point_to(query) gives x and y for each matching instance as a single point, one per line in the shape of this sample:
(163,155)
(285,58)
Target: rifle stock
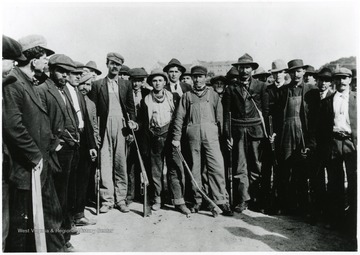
(271,131)
(230,177)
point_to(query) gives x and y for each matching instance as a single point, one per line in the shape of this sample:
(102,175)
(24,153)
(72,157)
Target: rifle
(271,131)
(215,210)
(230,177)
(97,178)
(38,212)
(144,178)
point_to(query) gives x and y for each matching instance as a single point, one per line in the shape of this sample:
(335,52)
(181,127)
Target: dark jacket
(27,131)
(100,96)
(184,87)
(234,102)
(309,111)
(326,124)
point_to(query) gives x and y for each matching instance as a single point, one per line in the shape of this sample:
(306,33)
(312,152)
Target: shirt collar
(111,80)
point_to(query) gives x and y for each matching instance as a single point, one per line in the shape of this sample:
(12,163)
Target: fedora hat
(260,72)
(246,59)
(174,62)
(186,73)
(310,70)
(85,78)
(232,73)
(12,49)
(325,73)
(154,73)
(92,65)
(278,65)
(295,63)
(31,41)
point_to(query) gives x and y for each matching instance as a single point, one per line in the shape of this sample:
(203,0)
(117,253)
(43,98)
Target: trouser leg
(176,177)
(157,165)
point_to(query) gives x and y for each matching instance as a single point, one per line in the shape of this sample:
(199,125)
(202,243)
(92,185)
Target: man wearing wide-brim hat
(114,103)
(338,136)
(31,144)
(247,101)
(310,75)
(91,67)
(200,110)
(219,84)
(278,71)
(232,75)
(260,74)
(324,84)
(174,69)
(300,104)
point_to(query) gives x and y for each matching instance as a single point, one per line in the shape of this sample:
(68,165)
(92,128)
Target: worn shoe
(226,210)
(183,209)
(156,207)
(241,207)
(105,208)
(122,208)
(195,208)
(84,222)
(69,247)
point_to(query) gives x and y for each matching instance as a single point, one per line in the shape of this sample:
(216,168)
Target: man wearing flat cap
(11,52)
(124,72)
(65,126)
(200,110)
(31,144)
(338,125)
(174,69)
(300,111)
(116,110)
(248,102)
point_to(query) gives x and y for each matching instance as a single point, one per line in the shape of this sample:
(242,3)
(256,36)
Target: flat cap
(85,78)
(12,49)
(79,67)
(138,73)
(342,71)
(31,41)
(116,57)
(63,61)
(124,70)
(198,70)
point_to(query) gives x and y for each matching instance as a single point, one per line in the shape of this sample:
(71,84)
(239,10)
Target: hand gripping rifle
(144,178)
(230,177)
(215,210)
(38,212)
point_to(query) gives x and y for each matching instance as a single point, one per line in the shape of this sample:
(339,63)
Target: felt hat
(342,71)
(198,70)
(124,70)
(31,41)
(325,73)
(295,63)
(310,70)
(154,73)
(85,78)
(260,72)
(246,59)
(92,65)
(63,61)
(138,73)
(11,49)
(278,65)
(218,78)
(174,62)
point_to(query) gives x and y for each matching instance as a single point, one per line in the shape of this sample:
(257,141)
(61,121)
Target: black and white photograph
(192,126)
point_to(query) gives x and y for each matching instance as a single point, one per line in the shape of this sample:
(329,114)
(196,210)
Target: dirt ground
(167,230)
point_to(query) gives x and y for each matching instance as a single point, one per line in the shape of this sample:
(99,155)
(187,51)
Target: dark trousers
(345,153)
(21,237)
(81,178)
(133,171)
(176,177)
(64,185)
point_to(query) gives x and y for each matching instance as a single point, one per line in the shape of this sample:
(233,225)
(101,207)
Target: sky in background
(144,33)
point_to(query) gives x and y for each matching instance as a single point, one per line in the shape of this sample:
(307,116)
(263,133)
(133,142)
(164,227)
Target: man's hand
(129,139)
(93,154)
(176,143)
(133,125)
(272,138)
(229,143)
(39,166)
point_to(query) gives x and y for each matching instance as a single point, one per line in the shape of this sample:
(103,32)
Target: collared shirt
(113,85)
(161,114)
(341,111)
(175,87)
(295,90)
(76,104)
(323,94)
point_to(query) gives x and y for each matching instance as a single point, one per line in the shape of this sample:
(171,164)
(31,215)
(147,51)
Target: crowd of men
(277,142)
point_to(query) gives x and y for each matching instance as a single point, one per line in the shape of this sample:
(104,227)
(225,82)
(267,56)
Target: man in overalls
(300,104)
(201,111)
